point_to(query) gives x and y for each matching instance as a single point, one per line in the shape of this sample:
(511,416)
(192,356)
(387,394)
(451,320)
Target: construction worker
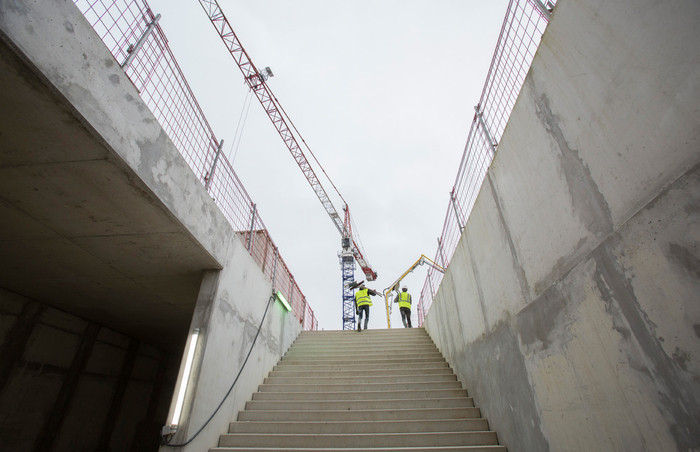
(362,304)
(404,301)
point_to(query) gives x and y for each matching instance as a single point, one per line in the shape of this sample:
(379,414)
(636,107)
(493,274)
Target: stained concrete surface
(79,229)
(101,219)
(585,238)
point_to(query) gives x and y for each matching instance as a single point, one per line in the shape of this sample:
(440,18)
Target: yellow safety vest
(405,300)
(362,298)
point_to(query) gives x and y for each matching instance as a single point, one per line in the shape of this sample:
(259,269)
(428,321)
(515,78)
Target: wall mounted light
(283,300)
(182,387)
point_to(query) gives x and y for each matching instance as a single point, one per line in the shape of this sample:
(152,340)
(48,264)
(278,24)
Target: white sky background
(382,91)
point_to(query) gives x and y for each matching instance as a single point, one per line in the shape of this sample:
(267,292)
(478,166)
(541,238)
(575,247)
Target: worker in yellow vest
(362,304)
(404,301)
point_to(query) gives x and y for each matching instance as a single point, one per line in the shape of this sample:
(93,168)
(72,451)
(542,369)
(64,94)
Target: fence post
(292,283)
(490,139)
(274,270)
(546,13)
(252,225)
(146,33)
(421,311)
(210,177)
(303,312)
(440,253)
(430,284)
(454,206)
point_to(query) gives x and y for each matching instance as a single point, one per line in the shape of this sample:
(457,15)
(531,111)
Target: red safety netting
(520,36)
(152,68)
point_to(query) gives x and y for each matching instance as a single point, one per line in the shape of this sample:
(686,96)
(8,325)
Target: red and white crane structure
(256,81)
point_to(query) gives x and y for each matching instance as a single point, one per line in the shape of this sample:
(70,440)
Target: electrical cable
(269,302)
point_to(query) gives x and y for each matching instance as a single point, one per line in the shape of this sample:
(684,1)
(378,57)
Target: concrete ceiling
(78,230)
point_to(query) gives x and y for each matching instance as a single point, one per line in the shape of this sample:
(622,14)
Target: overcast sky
(382,91)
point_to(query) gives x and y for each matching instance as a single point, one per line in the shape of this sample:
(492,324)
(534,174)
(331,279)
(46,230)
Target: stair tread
(384,390)
(486,448)
(366,415)
(377,426)
(378,379)
(398,383)
(356,439)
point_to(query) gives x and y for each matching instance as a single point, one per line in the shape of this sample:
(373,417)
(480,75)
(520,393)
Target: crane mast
(256,81)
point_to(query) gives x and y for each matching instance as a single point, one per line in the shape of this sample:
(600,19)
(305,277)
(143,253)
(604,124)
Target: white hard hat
(404,288)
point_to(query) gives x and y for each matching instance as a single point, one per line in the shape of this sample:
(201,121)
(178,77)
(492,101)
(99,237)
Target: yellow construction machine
(395,286)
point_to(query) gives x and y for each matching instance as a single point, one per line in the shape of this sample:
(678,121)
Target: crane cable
(239,126)
(307,146)
(353,226)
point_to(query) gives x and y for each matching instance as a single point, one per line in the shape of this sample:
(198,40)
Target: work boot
(366,321)
(359,326)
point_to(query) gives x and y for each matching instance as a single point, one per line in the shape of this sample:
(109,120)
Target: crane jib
(274,111)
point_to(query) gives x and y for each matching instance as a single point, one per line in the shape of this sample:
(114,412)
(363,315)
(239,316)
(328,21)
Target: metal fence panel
(154,71)
(522,29)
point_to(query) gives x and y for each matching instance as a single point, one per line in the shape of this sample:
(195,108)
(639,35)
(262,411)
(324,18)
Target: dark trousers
(364,308)
(406,317)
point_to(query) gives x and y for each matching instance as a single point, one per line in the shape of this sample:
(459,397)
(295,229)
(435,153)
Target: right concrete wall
(571,307)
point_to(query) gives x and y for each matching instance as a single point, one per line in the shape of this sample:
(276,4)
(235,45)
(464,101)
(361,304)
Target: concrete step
(395,332)
(345,366)
(362,336)
(349,387)
(364,348)
(387,404)
(410,426)
(492,448)
(371,343)
(356,440)
(436,357)
(360,379)
(371,336)
(362,395)
(398,371)
(375,335)
(365,340)
(377,390)
(360,346)
(351,355)
(357,415)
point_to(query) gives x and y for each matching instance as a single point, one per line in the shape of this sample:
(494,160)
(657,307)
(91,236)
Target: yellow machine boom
(395,286)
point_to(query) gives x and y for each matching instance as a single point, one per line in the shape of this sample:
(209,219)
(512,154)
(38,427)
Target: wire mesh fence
(522,29)
(130,30)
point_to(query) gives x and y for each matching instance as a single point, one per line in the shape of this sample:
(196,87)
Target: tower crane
(256,81)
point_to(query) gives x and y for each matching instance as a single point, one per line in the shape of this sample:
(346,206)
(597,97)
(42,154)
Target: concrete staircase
(385,390)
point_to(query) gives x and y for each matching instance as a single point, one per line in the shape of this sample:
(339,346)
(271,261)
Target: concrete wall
(60,374)
(234,294)
(229,313)
(571,308)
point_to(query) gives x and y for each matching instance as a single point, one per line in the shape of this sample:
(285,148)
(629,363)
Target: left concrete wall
(234,297)
(233,305)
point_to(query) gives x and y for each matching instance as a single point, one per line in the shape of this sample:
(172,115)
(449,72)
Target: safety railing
(522,29)
(130,30)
